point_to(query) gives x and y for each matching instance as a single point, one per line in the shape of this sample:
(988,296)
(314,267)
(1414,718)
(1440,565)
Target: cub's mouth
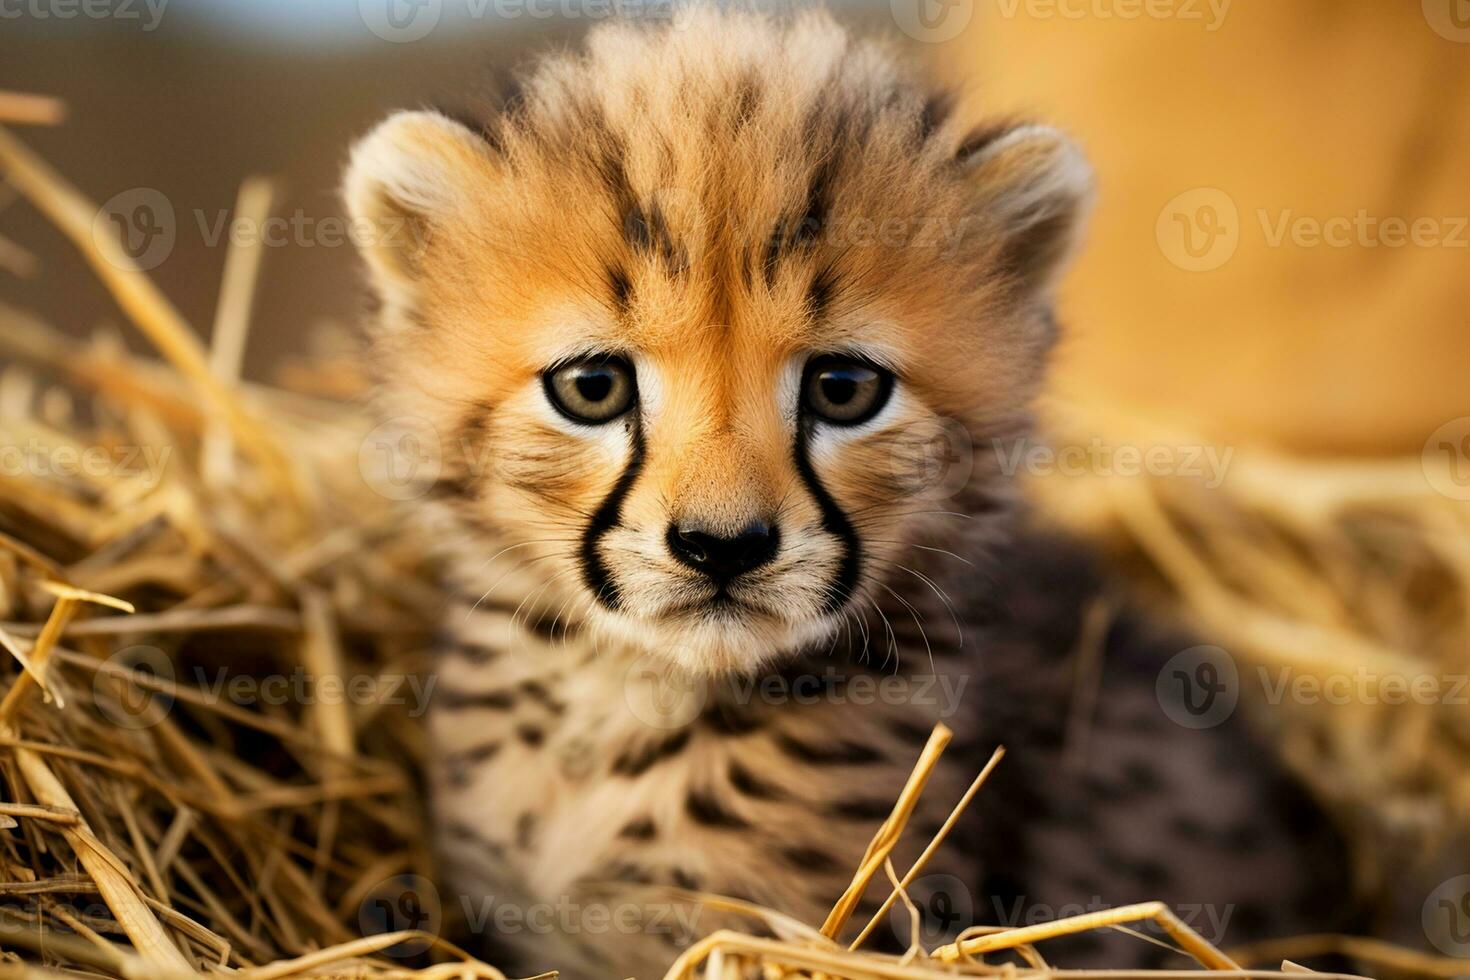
(720,604)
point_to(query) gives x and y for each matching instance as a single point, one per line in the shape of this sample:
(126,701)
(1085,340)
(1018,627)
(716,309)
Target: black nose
(724,558)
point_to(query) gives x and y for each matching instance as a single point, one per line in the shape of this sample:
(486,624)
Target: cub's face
(691,321)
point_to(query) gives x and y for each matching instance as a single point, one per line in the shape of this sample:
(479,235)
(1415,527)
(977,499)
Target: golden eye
(844,390)
(593,390)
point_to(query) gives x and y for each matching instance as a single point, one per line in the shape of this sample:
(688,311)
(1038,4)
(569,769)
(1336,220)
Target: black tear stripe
(834,522)
(608,516)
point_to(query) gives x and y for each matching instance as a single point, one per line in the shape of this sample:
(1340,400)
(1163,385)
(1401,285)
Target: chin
(720,638)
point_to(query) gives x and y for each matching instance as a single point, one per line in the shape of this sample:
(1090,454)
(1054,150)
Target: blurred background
(1280,250)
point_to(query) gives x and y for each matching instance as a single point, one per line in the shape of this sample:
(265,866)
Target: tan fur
(668,160)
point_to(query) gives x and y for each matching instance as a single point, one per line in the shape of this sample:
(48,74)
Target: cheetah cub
(688,315)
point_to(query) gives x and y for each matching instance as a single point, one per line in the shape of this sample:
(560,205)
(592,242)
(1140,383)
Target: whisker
(943,596)
(892,638)
(921,547)
(929,650)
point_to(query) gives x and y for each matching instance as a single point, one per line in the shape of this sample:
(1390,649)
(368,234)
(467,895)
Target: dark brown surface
(190,114)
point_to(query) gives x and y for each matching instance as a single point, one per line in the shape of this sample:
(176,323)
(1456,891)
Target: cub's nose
(724,558)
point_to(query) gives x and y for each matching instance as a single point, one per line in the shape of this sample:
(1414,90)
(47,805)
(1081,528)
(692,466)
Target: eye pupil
(839,389)
(593,390)
(845,390)
(595,387)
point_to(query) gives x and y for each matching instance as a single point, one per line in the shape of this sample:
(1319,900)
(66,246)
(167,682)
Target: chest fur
(562,764)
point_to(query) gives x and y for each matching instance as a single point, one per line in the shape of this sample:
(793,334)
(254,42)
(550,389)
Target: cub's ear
(1033,190)
(405,181)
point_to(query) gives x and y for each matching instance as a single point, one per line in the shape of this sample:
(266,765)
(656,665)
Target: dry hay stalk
(158,829)
(1354,573)
(23,109)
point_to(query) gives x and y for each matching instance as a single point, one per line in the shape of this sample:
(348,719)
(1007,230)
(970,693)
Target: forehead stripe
(647,231)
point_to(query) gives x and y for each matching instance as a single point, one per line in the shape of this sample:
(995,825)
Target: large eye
(591,391)
(844,390)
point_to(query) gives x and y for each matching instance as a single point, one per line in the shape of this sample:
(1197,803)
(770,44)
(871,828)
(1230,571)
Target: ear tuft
(403,181)
(1034,185)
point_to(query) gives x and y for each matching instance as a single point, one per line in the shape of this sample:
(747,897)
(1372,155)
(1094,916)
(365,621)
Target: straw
(159,827)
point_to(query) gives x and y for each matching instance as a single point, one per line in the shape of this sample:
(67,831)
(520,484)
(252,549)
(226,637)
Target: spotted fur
(718,202)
